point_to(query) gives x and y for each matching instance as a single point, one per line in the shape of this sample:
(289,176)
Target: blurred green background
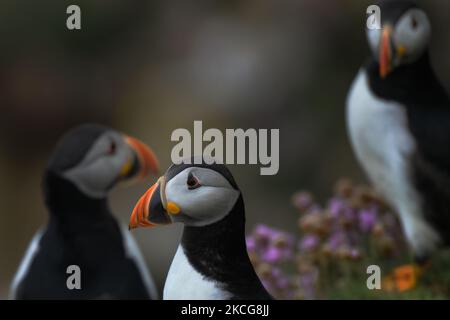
(149,67)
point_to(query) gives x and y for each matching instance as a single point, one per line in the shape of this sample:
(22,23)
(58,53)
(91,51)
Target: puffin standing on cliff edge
(398,117)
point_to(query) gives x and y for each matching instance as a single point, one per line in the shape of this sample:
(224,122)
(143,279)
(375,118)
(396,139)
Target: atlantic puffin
(81,231)
(211,262)
(398,117)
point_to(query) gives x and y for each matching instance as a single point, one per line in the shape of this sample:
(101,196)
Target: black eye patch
(112,148)
(414,23)
(192,182)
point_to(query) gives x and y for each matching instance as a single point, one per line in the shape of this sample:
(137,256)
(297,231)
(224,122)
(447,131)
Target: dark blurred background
(149,67)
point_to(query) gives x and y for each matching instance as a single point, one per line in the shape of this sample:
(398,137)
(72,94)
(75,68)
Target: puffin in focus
(211,262)
(398,117)
(81,231)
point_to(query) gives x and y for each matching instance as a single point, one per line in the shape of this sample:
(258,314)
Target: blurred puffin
(211,262)
(86,164)
(398,117)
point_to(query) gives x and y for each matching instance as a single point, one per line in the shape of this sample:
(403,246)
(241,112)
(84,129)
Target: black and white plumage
(398,117)
(211,261)
(87,163)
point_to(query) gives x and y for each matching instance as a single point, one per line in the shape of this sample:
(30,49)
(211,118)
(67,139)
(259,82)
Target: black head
(194,194)
(393,10)
(175,169)
(403,38)
(94,158)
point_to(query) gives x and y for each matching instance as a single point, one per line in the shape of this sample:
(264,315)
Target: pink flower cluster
(335,240)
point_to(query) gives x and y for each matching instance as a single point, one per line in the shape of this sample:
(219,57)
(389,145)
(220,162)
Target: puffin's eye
(112,148)
(414,23)
(192,182)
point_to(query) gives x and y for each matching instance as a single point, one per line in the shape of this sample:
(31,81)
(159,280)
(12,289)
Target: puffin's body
(398,117)
(81,230)
(211,262)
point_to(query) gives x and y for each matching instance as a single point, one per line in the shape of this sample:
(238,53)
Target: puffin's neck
(67,204)
(219,252)
(217,244)
(411,84)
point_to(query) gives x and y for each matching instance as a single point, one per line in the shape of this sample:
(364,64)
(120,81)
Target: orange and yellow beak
(153,209)
(144,162)
(386,52)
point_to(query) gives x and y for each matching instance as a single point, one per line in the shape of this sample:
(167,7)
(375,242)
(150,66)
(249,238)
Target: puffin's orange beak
(141,210)
(148,163)
(386,52)
(153,209)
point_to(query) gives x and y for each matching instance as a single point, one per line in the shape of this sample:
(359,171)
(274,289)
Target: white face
(101,167)
(412,32)
(203,195)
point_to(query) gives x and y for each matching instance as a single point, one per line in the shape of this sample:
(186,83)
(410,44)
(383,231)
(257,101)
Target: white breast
(25,264)
(383,145)
(185,283)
